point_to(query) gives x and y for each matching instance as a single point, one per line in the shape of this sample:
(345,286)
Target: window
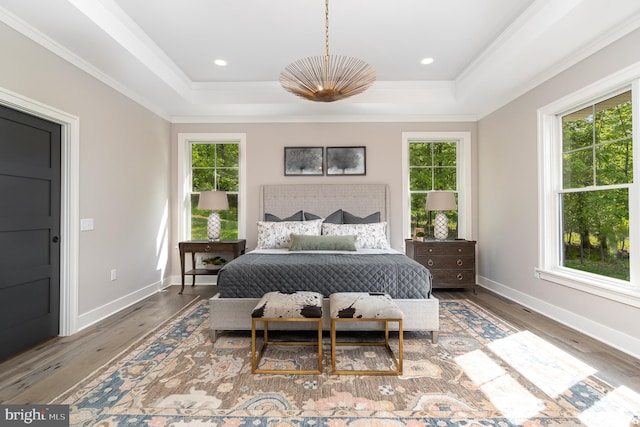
(214,166)
(597,170)
(211,162)
(436,161)
(588,222)
(432,166)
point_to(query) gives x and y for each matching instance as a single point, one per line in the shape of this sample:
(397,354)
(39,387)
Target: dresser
(451,262)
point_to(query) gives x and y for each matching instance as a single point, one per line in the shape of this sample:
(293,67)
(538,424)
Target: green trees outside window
(432,166)
(597,172)
(215,166)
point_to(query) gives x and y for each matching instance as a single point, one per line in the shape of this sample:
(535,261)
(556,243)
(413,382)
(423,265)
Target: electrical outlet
(114,274)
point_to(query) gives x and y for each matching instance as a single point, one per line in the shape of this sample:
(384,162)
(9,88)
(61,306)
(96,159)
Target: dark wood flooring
(39,375)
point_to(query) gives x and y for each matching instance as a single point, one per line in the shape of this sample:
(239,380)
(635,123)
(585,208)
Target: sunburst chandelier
(327,78)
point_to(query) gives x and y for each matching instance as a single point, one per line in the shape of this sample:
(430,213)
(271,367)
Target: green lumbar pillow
(301,242)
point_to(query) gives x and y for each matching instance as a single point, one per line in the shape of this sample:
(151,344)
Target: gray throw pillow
(334,218)
(348,218)
(295,217)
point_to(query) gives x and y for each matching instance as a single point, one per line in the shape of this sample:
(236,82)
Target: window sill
(618,291)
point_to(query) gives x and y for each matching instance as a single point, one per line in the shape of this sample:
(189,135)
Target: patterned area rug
(482,372)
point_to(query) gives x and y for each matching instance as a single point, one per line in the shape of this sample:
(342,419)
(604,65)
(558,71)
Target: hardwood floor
(44,372)
(613,366)
(40,374)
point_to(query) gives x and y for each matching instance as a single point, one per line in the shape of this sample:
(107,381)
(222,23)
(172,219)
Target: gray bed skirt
(234,314)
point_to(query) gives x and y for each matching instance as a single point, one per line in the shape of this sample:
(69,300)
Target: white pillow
(274,235)
(369,236)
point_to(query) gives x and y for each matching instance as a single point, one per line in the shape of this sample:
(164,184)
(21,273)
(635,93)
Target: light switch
(86,224)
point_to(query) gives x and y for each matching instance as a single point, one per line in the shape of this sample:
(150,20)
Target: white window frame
(550,182)
(184,177)
(463,175)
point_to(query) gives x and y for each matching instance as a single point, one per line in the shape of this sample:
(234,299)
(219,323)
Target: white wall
(508,221)
(265,158)
(124,175)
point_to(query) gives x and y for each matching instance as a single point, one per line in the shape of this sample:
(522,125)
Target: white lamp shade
(441,201)
(213,201)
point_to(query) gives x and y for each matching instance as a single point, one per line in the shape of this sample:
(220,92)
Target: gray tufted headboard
(323,199)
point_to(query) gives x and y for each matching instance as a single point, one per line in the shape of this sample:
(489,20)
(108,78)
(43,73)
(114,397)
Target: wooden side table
(235,247)
(452,262)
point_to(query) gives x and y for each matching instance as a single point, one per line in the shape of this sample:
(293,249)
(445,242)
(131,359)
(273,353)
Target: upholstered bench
(300,306)
(365,307)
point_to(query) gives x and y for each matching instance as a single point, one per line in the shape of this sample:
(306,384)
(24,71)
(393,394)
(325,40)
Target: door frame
(69,215)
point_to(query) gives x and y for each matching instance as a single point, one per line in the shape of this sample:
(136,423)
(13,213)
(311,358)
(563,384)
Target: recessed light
(427,61)
(220,62)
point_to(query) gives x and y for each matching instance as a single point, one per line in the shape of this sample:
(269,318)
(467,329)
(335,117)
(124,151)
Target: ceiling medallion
(327,78)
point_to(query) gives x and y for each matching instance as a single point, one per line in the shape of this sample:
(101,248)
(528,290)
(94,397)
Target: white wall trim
(612,337)
(329,118)
(47,43)
(100,313)
(69,215)
(208,280)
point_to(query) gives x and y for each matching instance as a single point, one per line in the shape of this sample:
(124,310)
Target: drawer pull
(430,263)
(460,276)
(459,249)
(459,262)
(207,248)
(430,249)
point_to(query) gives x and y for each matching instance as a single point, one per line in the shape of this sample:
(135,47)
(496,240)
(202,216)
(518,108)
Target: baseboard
(614,338)
(91,317)
(200,280)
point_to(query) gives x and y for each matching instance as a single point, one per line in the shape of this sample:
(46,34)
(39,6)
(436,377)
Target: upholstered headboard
(283,200)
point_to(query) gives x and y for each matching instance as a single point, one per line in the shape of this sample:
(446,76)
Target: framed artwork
(346,161)
(303,161)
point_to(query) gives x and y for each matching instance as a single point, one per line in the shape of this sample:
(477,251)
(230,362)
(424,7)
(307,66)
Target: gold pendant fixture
(327,78)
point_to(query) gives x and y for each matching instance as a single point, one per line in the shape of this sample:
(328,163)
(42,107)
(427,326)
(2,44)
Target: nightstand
(452,262)
(235,247)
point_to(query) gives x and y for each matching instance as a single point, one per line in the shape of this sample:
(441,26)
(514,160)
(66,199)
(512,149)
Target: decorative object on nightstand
(418,234)
(452,263)
(213,201)
(441,201)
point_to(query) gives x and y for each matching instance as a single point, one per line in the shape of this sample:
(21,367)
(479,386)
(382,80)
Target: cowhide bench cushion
(360,305)
(289,305)
(299,306)
(366,307)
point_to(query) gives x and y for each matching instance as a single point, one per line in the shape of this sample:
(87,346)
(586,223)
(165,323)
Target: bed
(371,268)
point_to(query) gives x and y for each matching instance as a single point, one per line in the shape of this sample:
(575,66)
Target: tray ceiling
(161,53)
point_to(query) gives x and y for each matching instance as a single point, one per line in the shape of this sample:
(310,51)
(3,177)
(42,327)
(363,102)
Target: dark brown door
(30,150)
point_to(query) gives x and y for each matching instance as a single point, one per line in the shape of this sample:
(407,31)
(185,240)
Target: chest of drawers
(451,262)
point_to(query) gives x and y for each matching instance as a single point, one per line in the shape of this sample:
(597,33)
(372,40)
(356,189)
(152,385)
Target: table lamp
(440,201)
(213,201)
